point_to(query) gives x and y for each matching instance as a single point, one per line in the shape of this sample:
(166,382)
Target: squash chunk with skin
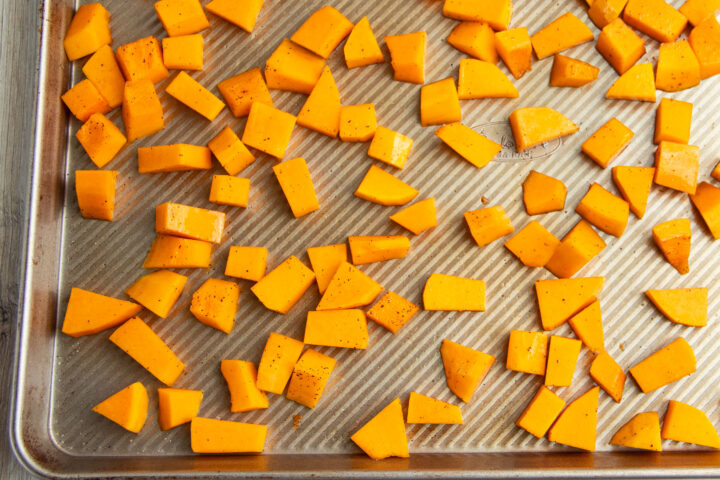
(542,193)
(476,39)
(84,100)
(672,121)
(677,165)
(241,378)
(323,31)
(384,435)
(570,72)
(325,261)
(390,147)
(561,360)
(291,67)
(142,112)
(321,111)
(181,17)
(229,190)
(361,47)
(655,18)
(465,368)
(268,130)
(232,154)
(481,79)
(602,12)
(349,288)
(142,59)
(407,55)
(138,340)
(189,222)
(685,423)
(188,91)
(95,190)
(677,67)
(377,248)
(562,33)
(177,406)
(228,10)
(707,200)
(576,249)
(427,410)
(697,11)
(88,31)
(673,239)
(215,304)
(294,178)
(337,328)
(278,360)
(686,306)
(157,291)
(240,91)
(246,262)
(488,224)
(558,300)
(634,184)
(449,292)
(642,431)
(104,72)
(474,147)
(184,52)
(532,126)
(496,13)
(527,352)
(606,211)
(608,375)
(101,139)
(208,435)
(439,103)
(280,289)
(515,49)
(587,325)
(357,122)
(128,407)
(392,311)
(88,313)
(168,251)
(533,245)
(418,217)
(607,142)
(672,362)
(379,186)
(620,45)
(541,412)
(309,378)
(705,42)
(637,83)
(577,424)
(173,158)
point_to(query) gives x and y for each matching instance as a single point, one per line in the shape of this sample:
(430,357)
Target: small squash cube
(577,424)
(177,406)
(677,68)
(228,10)
(377,248)
(655,18)
(570,72)
(142,112)
(325,261)
(142,59)
(533,245)
(241,378)
(427,410)
(542,193)
(268,129)
(321,111)
(672,362)
(361,47)
(496,13)
(673,239)
(188,91)
(383,435)
(337,328)
(697,11)
(449,292)
(620,45)
(104,72)
(580,245)
(241,90)
(181,17)
(278,360)
(637,83)
(229,190)
(705,42)
(189,222)
(672,121)
(379,186)
(561,359)
(541,412)
(88,313)
(294,178)
(88,31)
(357,122)
(418,217)
(587,325)
(246,262)
(95,191)
(280,289)
(474,147)
(84,100)
(634,183)
(128,407)
(677,165)
(323,31)
(208,435)
(465,368)
(607,142)
(232,154)
(532,126)
(173,158)
(184,52)
(392,311)
(562,33)
(215,303)
(157,291)
(707,200)
(602,12)
(558,300)
(291,67)
(642,431)
(407,55)
(481,79)
(168,251)
(390,147)
(349,288)
(439,103)
(488,224)
(527,352)
(606,211)
(309,378)
(476,39)
(608,374)
(515,49)
(685,423)
(685,306)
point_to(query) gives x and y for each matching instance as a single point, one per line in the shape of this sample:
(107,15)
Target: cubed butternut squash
(515,48)
(377,248)
(390,147)
(184,52)
(606,211)
(229,190)
(707,200)
(686,306)
(173,158)
(637,83)
(228,10)
(349,288)
(181,17)
(465,368)
(587,325)
(323,31)
(88,313)
(697,11)
(241,379)
(685,423)
(533,245)
(392,311)
(357,122)
(215,303)
(232,154)
(677,67)
(418,217)
(84,100)
(673,239)
(541,412)
(337,328)
(168,251)
(427,410)
(532,126)
(309,377)
(450,292)
(607,142)
(407,56)
(100,139)
(241,90)
(488,224)
(268,129)
(295,182)
(177,406)
(620,45)
(562,33)
(580,245)
(280,289)
(605,371)
(379,186)
(602,12)
(325,261)
(672,121)
(497,13)
(95,190)
(642,431)
(291,67)
(655,18)
(543,193)
(474,147)
(705,42)
(278,360)
(577,424)
(562,357)
(321,111)
(634,184)
(142,112)
(157,291)
(476,39)
(672,362)
(88,31)
(527,352)
(188,91)
(571,72)
(142,60)
(483,79)
(246,262)
(128,407)
(208,435)
(384,435)
(104,72)
(677,166)
(189,222)
(439,103)
(361,47)
(558,300)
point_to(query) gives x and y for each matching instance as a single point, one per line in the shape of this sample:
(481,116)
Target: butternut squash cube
(558,300)
(541,412)
(543,193)
(361,47)
(232,154)
(488,224)
(677,68)
(189,222)
(173,158)
(587,325)
(321,111)
(577,424)
(677,165)
(570,72)
(655,18)
(672,362)
(620,45)
(474,147)
(349,288)
(142,60)
(418,217)
(427,410)
(88,31)
(142,112)
(482,79)
(476,39)
(246,262)
(465,368)
(95,191)
(241,90)
(673,239)
(88,313)
(685,423)
(392,311)
(138,340)
(606,211)
(101,139)
(527,352)
(294,178)
(84,100)
(337,328)
(157,291)
(607,142)
(325,261)
(532,126)
(278,360)
(533,245)
(383,435)
(672,121)
(377,248)
(268,129)
(449,292)
(188,91)
(496,13)
(686,306)
(637,83)
(215,303)
(181,17)
(390,147)
(357,122)
(379,186)
(323,31)
(707,200)
(562,33)
(241,378)
(407,55)
(608,375)
(208,435)
(168,251)
(580,245)
(634,184)
(439,103)
(177,406)
(229,190)
(128,407)
(642,431)
(309,378)
(515,49)
(104,72)
(705,42)
(561,360)
(602,12)
(697,11)
(291,67)
(280,289)
(228,10)
(184,52)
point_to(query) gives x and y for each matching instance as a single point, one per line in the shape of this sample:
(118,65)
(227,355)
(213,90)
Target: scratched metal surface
(107,257)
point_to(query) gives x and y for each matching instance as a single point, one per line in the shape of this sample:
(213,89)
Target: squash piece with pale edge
(577,424)
(532,126)
(232,154)
(184,52)
(377,248)
(379,186)
(685,423)
(637,83)
(241,90)
(705,42)
(358,123)
(278,360)
(483,79)
(142,112)
(157,291)
(427,410)
(697,11)
(541,412)
(620,45)
(84,100)
(686,306)
(476,39)
(88,313)
(542,193)
(291,67)
(608,375)
(392,311)
(496,13)
(642,432)
(606,211)
(325,261)
(515,49)
(707,200)
(321,111)
(533,245)
(95,190)
(677,67)
(465,368)
(439,103)
(181,17)
(128,407)
(634,184)
(602,12)
(309,377)
(571,72)
(280,289)
(189,222)
(229,190)
(383,435)
(407,55)
(558,300)
(672,362)
(361,47)
(488,224)
(142,60)
(268,129)
(88,31)
(323,31)
(390,147)
(562,33)
(672,121)
(248,263)
(337,328)
(673,238)
(215,303)
(241,378)
(349,288)
(418,217)
(677,166)
(103,71)
(474,147)
(167,251)
(294,179)
(580,245)
(177,406)
(179,157)
(452,293)
(587,325)
(228,10)
(208,435)
(607,142)
(527,352)
(655,18)
(561,360)
(101,139)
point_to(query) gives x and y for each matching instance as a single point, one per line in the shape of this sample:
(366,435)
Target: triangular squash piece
(685,423)
(157,291)
(474,147)
(428,410)
(418,217)
(464,367)
(571,72)
(634,183)
(88,313)
(686,306)
(128,407)
(383,435)
(476,39)
(642,431)
(177,406)
(638,83)
(673,238)
(587,325)
(532,126)
(349,288)
(321,111)
(577,424)
(361,47)
(707,201)
(325,261)
(481,79)
(560,299)
(379,186)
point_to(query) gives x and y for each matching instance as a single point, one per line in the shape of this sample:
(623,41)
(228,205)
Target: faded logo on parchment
(502,133)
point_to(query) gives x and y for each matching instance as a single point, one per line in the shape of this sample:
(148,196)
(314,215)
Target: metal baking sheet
(59,378)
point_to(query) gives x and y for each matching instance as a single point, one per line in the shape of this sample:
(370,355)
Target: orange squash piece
(88,313)
(128,407)
(215,303)
(168,251)
(241,90)
(571,72)
(606,211)
(602,12)
(488,224)
(418,217)
(208,435)
(634,184)
(541,412)
(542,193)
(142,112)
(268,129)
(157,291)
(474,147)
(515,48)
(101,139)
(497,13)
(309,378)
(291,67)
(246,262)
(672,121)
(177,406)
(321,111)
(88,31)
(705,42)
(686,306)
(407,55)
(677,67)
(607,142)
(677,165)
(476,39)
(188,91)
(189,222)
(637,83)
(450,292)
(390,147)
(232,154)
(337,328)
(587,325)
(173,158)
(95,190)
(580,245)
(527,352)
(294,179)
(465,368)
(357,122)
(323,31)
(533,245)
(655,18)
(439,103)
(379,186)
(532,126)
(278,360)
(280,289)
(577,424)
(608,375)
(229,190)
(349,288)
(685,423)
(642,431)
(241,378)
(707,200)
(697,11)
(377,248)
(392,311)
(383,435)
(84,100)
(620,45)
(558,300)
(141,60)
(482,79)
(104,72)
(673,239)
(181,17)
(427,410)
(672,362)
(228,10)
(562,357)
(562,33)
(361,47)
(325,261)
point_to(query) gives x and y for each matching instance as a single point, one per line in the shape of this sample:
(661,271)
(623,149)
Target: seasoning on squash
(673,239)
(294,179)
(280,289)
(383,435)
(325,261)
(390,147)
(527,352)
(427,410)
(291,67)
(482,79)
(184,52)
(476,39)
(241,90)
(488,224)
(321,111)
(532,126)
(278,360)
(620,45)
(142,60)
(215,303)
(268,129)
(229,190)
(208,435)
(232,154)
(465,368)
(450,292)
(642,431)
(562,357)
(241,379)
(677,67)
(608,375)
(101,139)
(577,424)
(655,18)
(337,328)
(533,245)
(177,406)
(309,378)
(587,325)
(515,48)
(357,122)
(672,121)
(379,186)
(543,193)
(677,165)
(685,423)
(168,251)
(157,291)
(188,91)
(474,147)
(104,72)
(84,100)
(407,55)
(558,300)
(349,288)
(361,47)
(181,17)
(672,362)
(541,412)
(173,158)
(128,407)
(246,262)
(607,142)
(634,184)
(95,190)
(580,245)
(142,112)
(571,72)
(88,313)
(88,31)
(392,311)
(637,83)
